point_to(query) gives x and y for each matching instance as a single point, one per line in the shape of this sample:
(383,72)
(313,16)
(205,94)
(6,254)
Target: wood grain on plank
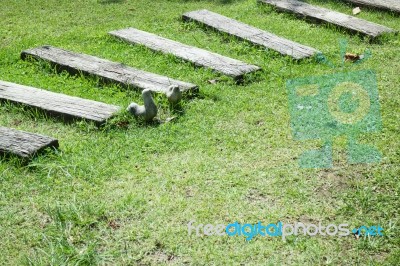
(56,103)
(246,32)
(23,144)
(200,57)
(104,69)
(392,5)
(329,16)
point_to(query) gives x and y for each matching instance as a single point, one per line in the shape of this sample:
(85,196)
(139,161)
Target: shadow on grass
(107,2)
(323,23)
(18,161)
(366,7)
(223,2)
(36,113)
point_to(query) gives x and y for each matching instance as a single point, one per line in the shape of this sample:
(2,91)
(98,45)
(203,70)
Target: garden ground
(124,193)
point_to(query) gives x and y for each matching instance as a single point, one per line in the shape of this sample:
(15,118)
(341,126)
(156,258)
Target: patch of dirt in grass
(255,195)
(381,256)
(114,224)
(190,192)
(332,183)
(304,219)
(159,256)
(44,220)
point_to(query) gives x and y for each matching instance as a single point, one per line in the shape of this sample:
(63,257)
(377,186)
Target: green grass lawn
(123,195)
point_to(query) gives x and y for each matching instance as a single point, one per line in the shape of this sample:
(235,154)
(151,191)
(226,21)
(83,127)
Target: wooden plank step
(391,5)
(200,57)
(329,16)
(246,32)
(56,103)
(23,144)
(106,70)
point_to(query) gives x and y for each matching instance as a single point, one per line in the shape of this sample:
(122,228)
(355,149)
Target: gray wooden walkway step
(200,57)
(246,32)
(106,70)
(392,5)
(23,144)
(329,16)
(56,103)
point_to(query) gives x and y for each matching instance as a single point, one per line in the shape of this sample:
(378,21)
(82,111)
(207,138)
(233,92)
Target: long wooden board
(200,57)
(246,32)
(106,70)
(320,14)
(391,5)
(23,144)
(56,103)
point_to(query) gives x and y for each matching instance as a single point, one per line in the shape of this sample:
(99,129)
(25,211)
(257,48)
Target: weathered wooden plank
(246,32)
(391,5)
(23,144)
(106,70)
(320,14)
(56,103)
(200,57)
